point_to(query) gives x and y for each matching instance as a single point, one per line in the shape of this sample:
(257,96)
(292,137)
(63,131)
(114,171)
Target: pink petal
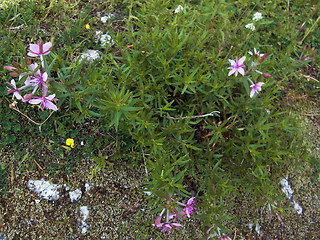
(176,224)
(157,221)
(33,66)
(35,100)
(232,62)
(32,54)
(252,92)
(232,72)
(17,95)
(241,60)
(46,48)
(50,97)
(44,76)
(13,83)
(190,201)
(34,48)
(241,71)
(259,84)
(50,105)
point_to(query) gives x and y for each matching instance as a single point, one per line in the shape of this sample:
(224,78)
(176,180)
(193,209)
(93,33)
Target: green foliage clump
(163,95)
(162,83)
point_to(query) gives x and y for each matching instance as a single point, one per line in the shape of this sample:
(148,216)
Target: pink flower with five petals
(237,66)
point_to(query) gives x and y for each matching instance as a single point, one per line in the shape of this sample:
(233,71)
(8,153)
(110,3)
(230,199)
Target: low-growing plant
(193,91)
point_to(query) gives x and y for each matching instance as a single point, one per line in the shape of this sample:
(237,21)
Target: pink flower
(37,79)
(256,53)
(167,226)
(45,102)
(237,66)
(224,237)
(39,49)
(190,207)
(255,88)
(177,215)
(15,91)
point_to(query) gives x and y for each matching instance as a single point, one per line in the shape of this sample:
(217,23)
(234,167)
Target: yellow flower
(87,26)
(70,142)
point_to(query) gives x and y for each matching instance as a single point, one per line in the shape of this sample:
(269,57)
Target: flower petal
(35,101)
(46,48)
(232,72)
(241,60)
(176,224)
(232,62)
(50,105)
(241,71)
(33,66)
(259,84)
(50,97)
(17,95)
(31,54)
(34,48)
(252,92)
(44,76)
(13,83)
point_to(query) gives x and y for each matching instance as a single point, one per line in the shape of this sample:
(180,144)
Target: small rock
(45,189)
(84,214)
(75,195)
(87,187)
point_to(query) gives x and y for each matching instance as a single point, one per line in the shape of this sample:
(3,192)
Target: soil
(118,207)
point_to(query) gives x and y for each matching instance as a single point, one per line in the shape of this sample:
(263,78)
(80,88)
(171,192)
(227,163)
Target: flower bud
(266,75)
(168,197)
(27,97)
(27,60)
(264,57)
(16,64)
(10,68)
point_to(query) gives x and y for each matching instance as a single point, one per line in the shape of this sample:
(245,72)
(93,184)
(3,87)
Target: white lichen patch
(44,189)
(87,187)
(104,39)
(286,188)
(105,18)
(84,214)
(258,228)
(178,9)
(90,55)
(75,195)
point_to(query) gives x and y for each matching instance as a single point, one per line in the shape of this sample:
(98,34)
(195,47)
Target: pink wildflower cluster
(173,213)
(33,77)
(237,66)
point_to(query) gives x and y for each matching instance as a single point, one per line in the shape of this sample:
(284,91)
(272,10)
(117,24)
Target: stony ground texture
(119,210)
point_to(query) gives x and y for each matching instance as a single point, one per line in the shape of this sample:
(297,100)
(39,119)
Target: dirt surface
(117,207)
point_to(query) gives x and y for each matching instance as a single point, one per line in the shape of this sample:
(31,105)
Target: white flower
(106,17)
(257,16)
(104,39)
(90,55)
(178,9)
(250,26)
